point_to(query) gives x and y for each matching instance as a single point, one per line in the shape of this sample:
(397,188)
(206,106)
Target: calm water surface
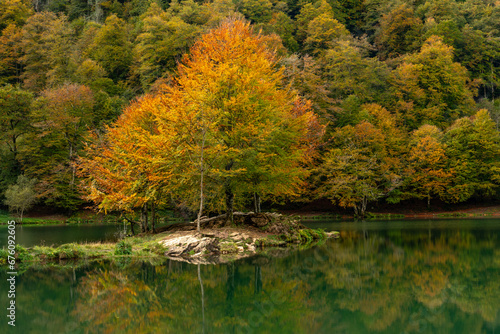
(380,277)
(33,235)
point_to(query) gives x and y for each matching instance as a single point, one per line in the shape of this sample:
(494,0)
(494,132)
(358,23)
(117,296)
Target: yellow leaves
(226,114)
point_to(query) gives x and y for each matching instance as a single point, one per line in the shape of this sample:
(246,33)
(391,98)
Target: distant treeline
(408,90)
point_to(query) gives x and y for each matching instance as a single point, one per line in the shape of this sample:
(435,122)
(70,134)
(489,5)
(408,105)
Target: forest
(221,104)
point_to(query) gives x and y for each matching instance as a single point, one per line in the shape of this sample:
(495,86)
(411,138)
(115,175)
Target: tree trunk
(132,227)
(229,195)
(428,201)
(200,212)
(229,205)
(144,218)
(256,202)
(153,216)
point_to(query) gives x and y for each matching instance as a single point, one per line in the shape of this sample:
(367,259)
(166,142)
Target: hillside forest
(221,105)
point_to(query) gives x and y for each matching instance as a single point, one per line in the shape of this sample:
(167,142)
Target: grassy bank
(226,244)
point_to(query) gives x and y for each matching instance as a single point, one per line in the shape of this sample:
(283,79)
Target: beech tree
(112,49)
(61,118)
(431,87)
(121,172)
(161,43)
(10,55)
(474,151)
(364,164)
(46,46)
(15,124)
(428,175)
(226,127)
(255,130)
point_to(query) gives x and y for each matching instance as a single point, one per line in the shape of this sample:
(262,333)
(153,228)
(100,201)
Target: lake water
(380,277)
(55,235)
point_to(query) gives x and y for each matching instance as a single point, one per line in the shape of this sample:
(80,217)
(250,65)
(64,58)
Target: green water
(32,235)
(380,277)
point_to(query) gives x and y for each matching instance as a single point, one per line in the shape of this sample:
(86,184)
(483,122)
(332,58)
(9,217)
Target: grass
(140,247)
(452,214)
(370,215)
(320,217)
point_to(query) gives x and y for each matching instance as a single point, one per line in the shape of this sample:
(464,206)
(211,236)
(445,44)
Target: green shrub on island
(123,248)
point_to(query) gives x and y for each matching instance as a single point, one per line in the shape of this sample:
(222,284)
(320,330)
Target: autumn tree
(14,12)
(46,46)
(473,151)
(399,32)
(112,49)
(15,122)
(226,127)
(353,78)
(364,164)
(253,129)
(308,13)
(15,107)
(10,55)
(61,118)
(163,40)
(428,175)
(322,33)
(305,74)
(121,172)
(431,88)
(285,28)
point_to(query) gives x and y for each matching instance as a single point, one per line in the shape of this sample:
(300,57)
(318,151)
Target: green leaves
(435,86)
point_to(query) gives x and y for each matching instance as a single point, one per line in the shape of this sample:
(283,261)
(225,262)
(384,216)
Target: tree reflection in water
(391,281)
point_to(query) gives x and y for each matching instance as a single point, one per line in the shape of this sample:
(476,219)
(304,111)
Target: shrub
(123,248)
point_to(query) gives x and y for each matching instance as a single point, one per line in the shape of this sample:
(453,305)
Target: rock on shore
(218,243)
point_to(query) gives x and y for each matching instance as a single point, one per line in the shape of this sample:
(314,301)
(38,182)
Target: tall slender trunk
(14,146)
(229,204)
(229,195)
(256,202)
(492,85)
(144,218)
(132,227)
(200,212)
(202,174)
(153,216)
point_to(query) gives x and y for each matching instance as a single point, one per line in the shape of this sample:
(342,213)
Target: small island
(217,242)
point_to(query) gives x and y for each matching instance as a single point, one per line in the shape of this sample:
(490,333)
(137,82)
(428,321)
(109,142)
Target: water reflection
(391,281)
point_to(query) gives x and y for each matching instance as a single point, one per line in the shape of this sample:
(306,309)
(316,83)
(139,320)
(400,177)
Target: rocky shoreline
(218,242)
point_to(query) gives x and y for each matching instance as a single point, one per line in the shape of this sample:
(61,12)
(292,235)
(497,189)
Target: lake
(55,235)
(439,276)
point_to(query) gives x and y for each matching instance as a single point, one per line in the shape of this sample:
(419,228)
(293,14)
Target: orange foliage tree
(121,168)
(428,175)
(226,127)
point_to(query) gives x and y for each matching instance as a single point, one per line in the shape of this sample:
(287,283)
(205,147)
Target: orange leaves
(226,116)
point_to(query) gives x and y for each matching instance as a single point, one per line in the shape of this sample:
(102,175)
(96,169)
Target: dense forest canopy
(408,91)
